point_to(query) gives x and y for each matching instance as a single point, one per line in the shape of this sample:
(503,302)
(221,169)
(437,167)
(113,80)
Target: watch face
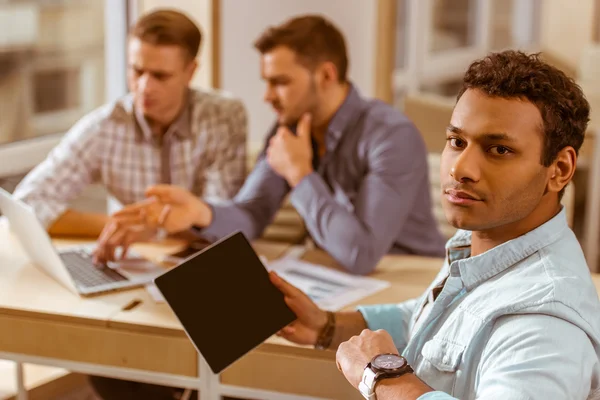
(388,361)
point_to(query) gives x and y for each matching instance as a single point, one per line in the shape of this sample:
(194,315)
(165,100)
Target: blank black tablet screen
(225,301)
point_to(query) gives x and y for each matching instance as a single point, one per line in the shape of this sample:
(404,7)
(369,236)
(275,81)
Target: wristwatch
(382,366)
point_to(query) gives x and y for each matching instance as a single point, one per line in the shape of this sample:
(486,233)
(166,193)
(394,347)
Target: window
(434,41)
(54,56)
(452,22)
(447,88)
(502,24)
(52,65)
(401,33)
(56,89)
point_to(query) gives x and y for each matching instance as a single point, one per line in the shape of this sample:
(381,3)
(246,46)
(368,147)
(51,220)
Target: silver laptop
(73,267)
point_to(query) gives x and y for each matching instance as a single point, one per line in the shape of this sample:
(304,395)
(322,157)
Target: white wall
(242,21)
(201,12)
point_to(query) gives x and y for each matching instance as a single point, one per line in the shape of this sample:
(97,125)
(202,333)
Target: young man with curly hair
(513,313)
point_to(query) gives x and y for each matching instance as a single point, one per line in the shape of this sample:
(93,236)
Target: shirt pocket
(441,361)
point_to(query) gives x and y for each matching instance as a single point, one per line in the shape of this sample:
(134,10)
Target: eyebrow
(500,136)
(281,77)
(153,72)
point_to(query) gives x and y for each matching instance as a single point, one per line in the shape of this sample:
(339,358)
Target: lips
(461,197)
(461,194)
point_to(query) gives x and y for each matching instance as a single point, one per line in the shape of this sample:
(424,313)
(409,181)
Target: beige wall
(566,28)
(242,21)
(200,11)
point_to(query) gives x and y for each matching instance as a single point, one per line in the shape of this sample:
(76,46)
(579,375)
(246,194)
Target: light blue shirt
(520,321)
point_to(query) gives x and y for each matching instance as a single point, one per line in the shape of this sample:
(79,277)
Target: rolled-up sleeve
(67,170)
(393,318)
(436,396)
(527,357)
(226,174)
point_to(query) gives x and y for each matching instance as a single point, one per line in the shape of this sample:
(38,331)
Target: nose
(269,95)
(145,84)
(467,165)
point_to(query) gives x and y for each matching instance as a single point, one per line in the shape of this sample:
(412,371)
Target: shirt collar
(475,270)
(180,128)
(346,116)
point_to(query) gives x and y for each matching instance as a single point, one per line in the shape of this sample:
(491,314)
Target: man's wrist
(326,332)
(408,386)
(204,215)
(298,175)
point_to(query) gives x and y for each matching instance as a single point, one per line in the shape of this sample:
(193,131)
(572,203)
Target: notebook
(225,301)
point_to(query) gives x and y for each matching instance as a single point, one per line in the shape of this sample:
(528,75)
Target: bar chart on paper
(329,289)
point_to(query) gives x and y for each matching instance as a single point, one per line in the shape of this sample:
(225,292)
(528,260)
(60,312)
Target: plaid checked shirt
(204,151)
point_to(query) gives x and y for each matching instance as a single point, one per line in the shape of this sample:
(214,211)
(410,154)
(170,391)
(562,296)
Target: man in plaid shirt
(162,132)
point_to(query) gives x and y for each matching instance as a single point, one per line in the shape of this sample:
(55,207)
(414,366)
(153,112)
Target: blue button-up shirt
(520,321)
(369,195)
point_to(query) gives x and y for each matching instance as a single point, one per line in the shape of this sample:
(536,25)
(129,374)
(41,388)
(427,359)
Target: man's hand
(122,232)
(354,355)
(171,208)
(291,156)
(311,319)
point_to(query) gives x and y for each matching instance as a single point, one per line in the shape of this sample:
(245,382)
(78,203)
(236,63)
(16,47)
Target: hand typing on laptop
(120,233)
(126,228)
(168,209)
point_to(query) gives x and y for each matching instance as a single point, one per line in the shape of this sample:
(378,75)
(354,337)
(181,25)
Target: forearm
(252,209)
(392,318)
(334,228)
(347,235)
(226,219)
(77,223)
(406,387)
(347,324)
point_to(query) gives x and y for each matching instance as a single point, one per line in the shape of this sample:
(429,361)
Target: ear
(191,69)
(329,73)
(562,169)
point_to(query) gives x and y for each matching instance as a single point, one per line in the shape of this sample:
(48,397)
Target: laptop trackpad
(137,268)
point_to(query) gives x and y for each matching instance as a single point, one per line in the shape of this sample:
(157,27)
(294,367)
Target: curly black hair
(514,74)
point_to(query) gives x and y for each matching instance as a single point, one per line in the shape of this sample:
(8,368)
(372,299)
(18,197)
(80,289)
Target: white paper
(330,289)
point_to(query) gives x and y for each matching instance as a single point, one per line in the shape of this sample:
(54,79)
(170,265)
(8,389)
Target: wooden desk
(152,325)
(44,323)
(106,336)
(277,366)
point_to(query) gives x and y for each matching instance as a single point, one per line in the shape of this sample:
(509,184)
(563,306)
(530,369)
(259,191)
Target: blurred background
(60,59)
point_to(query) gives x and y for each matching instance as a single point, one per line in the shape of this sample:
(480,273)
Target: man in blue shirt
(354,168)
(513,313)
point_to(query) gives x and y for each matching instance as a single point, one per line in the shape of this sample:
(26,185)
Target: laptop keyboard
(85,273)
